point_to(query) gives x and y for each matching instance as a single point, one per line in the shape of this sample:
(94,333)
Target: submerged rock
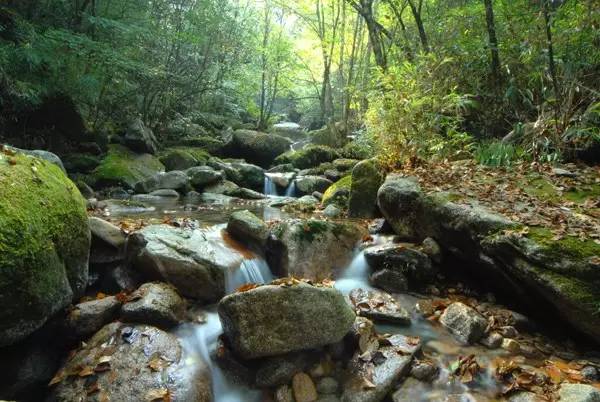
(374,375)
(272,320)
(310,248)
(154,304)
(464,322)
(304,388)
(195,261)
(132,363)
(44,244)
(578,393)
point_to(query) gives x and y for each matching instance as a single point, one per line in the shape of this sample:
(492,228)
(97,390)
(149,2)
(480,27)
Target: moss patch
(122,167)
(567,247)
(44,234)
(329,197)
(308,157)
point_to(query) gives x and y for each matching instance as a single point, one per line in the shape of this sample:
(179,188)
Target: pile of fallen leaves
(513,193)
(288,282)
(466,369)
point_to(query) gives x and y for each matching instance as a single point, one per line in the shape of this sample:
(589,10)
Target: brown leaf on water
(86,371)
(158,363)
(162,394)
(61,375)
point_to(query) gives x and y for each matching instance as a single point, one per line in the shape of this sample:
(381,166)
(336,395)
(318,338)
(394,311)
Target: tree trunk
(416,12)
(493,41)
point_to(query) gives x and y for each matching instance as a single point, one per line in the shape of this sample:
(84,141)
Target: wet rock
(508,331)
(367,177)
(248,194)
(378,306)
(332,174)
(304,388)
(173,180)
(265,321)
(165,193)
(328,398)
(331,211)
(389,280)
(108,241)
(493,340)
(309,156)
(131,363)
(248,228)
(432,249)
(411,390)
(328,386)
(578,393)
(282,180)
(311,248)
(225,187)
(178,159)
(310,184)
(414,265)
(511,345)
(116,278)
(591,373)
(379,226)
(203,176)
(279,370)
(338,193)
(140,138)
(524,396)
(284,394)
(425,371)
(44,243)
(248,175)
(465,323)
(87,318)
(373,378)
(154,304)
(562,172)
(192,260)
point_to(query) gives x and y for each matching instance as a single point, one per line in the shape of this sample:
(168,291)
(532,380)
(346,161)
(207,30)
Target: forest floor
(565,200)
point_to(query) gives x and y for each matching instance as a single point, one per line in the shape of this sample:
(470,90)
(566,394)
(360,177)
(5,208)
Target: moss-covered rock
(80,163)
(44,244)
(367,177)
(214,146)
(182,158)
(122,167)
(256,147)
(338,192)
(308,157)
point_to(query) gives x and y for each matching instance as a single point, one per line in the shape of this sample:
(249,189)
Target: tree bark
(416,12)
(493,41)
(376,30)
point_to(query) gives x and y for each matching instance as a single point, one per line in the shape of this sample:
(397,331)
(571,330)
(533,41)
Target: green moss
(580,195)
(567,247)
(44,234)
(81,163)
(310,230)
(539,187)
(122,167)
(581,293)
(344,183)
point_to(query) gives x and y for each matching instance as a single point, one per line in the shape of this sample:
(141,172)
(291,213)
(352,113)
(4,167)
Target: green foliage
(497,154)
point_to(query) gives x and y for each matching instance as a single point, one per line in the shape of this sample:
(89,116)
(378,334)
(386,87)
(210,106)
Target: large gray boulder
(367,177)
(195,261)
(204,176)
(272,320)
(310,184)
(256,147)
(248,175)
(464,322)
(311,248)
(140,138)
(132,363)
(173,180)
(248,228)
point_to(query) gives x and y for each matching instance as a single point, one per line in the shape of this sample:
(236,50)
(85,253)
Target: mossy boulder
(44,244)
(338,192)
(367,177)
(122,167)
(212,145)
(256,147)
(181,158)
(80,163)
(308,157)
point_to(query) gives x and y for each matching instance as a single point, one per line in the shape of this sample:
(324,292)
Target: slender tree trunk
(416,12)
(551,64)
(493,41)
(365,9)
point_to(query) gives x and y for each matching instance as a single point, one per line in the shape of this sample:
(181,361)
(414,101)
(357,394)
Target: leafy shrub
(497,153)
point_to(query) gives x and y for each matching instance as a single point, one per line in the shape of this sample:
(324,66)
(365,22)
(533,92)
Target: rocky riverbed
(238,295)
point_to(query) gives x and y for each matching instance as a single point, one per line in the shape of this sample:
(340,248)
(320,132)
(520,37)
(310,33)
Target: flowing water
(270,188)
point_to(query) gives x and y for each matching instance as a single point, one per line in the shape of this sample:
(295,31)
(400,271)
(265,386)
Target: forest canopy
(406,77)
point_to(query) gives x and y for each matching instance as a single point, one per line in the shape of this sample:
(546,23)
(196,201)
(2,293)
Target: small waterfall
(199,341)
(290,191)
(356,275)
(269,188)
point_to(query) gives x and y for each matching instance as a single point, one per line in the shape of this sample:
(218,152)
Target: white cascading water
(290,191)
(199,341)
(269,188)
